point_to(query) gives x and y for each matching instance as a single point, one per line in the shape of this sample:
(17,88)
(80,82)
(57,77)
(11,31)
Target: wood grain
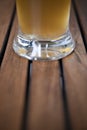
(81,7)
(13,75)
(6,10)
(45,108)
(75,74)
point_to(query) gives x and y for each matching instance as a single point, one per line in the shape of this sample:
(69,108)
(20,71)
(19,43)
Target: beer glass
(43,32)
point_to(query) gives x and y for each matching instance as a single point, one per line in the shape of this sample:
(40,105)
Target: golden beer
(43,32)
(43,19)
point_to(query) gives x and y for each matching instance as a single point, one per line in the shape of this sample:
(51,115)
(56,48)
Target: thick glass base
(44,50)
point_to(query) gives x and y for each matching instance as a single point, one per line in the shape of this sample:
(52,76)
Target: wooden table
(43,95)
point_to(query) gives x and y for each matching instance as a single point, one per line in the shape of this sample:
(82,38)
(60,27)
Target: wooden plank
(81,7)
(6,10)
(13,75)
(45,107)
(75,74)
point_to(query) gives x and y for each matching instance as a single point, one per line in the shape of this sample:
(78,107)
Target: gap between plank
(64,97)
(26,101)
(7,36)
(80,26)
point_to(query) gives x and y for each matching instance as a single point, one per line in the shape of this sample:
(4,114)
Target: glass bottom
(44,50)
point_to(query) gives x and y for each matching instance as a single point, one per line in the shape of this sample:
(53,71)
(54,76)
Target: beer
(43,19)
